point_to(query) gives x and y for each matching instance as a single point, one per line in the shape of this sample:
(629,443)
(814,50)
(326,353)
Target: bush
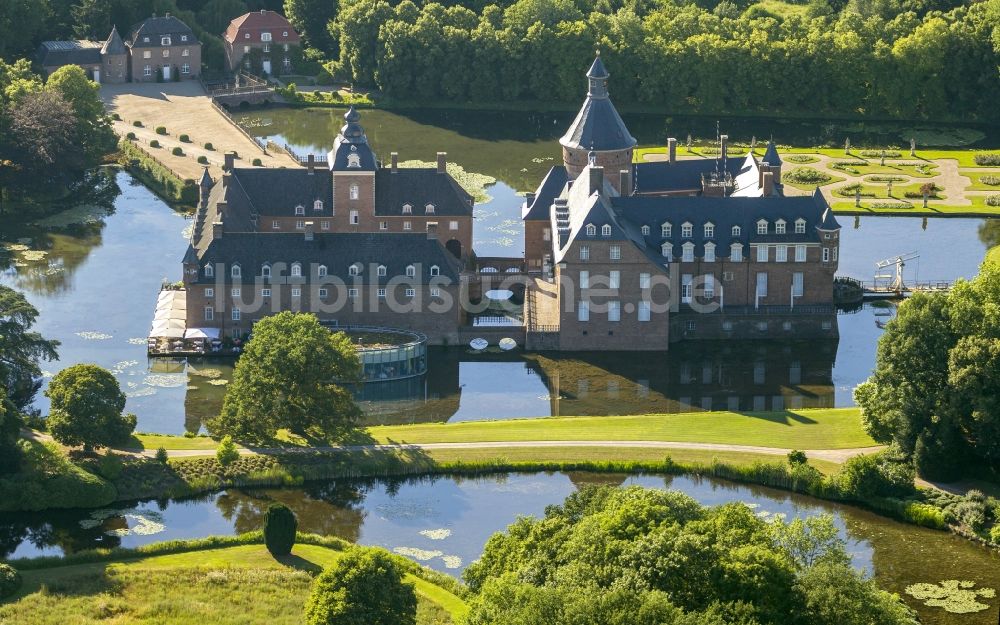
(993,200)
(109,466)
(184,139)
(154,143)
(800,158)
(116,117)
(161,130)
(162,456)
(993,181)
(934,459)
(972,510)
(257,162)
(995,534)
(226,453)
(137,124)
(209,146)
(886,179)
(364,586)
(806,175)
(925,515)
(880,153)
(875,475)
(203,160)
(279,529)
(797,457)
(177,151)
(988,160)
(10,580)
(130,136)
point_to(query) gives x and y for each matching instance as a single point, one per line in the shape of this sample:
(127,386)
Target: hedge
(161,180)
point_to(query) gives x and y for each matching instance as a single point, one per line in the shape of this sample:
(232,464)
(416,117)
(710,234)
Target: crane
(892,280)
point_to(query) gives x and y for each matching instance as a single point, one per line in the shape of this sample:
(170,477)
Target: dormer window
(645,231)
(184,37)
(762,226)
(354,191)
(779,226)
(435,270)
(321,271)
(265,271)
(666,229)
(145,39)
(381,270)
(296,270)
(300,210)
(709,253)
(235,271)
(246,36)
(284,34)
(667,249)
(606,230)
(165,40)
(736,231)
(354,269)
(407,209)
(318,205)
(411,271)
(591,230)
(687,230)
(429,209)
(209,271)
(709,230)
(800,226)
(265,36)
(687,253)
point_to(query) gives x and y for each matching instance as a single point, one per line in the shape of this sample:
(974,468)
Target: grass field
(977,184)
(228,586)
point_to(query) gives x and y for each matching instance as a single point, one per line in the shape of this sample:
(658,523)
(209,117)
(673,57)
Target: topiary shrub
(226,453)
(177,151)
(993,181)
(184,139)
(279,528)
(364,586)
(161,130)
(10,580)
(209,146)
(993,200)
(154,143)
(258,163)
(116,117)
(203,160)
(988,160)
(130,136)
(137,124)
(162,456)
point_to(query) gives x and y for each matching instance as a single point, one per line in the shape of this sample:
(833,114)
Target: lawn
(977,208)
(878,190)
(906,167)
(977,184)
(227,586)
(826,178)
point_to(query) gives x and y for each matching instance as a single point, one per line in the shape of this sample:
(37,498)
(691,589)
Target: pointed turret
(772,158)
(204,189)
(114,44)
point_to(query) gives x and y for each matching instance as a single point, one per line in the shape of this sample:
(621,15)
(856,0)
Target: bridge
(854,291)
(240,91)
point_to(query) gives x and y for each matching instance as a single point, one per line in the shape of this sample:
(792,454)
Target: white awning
(201,333)
(167,333)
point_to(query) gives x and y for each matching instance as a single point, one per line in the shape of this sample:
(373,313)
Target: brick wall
(157,61)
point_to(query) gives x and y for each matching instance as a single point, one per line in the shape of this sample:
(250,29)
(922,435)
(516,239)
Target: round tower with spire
(598,133)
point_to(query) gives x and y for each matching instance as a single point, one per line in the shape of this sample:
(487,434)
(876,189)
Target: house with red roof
(260,41)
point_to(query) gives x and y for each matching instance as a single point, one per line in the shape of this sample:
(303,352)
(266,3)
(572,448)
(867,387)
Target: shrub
(797,457)
(226,453)
(130,136)
(880,153)
(993,200)
(892,205)
(109,466)
(886,179)
(875,475)
(995,534)
(203,160)
(800,158)
(364,586)
(116,117)
(279,529)
(154,143)
(184,139)
(137,124)
(807,175)
(177,151)
(988,160)
(925,515)
(972,510)
(10,580)
(993,181)
(209,146)
(161,130)
(161,455)
(257,162)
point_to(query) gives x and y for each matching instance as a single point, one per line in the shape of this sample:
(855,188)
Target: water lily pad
(218,382)
(94,336)
(166,380)
(474,184)
(452,562)
(952,595)
(438,534)
(418,554)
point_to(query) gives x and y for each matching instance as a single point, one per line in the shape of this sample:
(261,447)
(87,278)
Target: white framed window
(209,313)
(209,292)
(300,225)
(354,192)
(645,231)
(186,68)
(666,229)
(380,292)
(246,36)
(235,272)
(185,52)
(381,270)
(166,53)
(235,292)
(762,284)
(236,314)
(352,293)
(797,283)
(615,252)
(323,293)
(435,270)
(265,292)
(296,269)
(584,252)
(591,230)
(429,209)
(453,225)
(781,254)
(275,225)
(147,70)
(762,226)
(265,36)
(835,254)
(435,292)
(687,230)
(184,37)
(800,226)
(606,230)
(583,311)
(779,226)
(209,271)
(285,34)
(687,252)
(407,225)
(687,288)
(145,39)
(761,253)
(643,310)
(318,205)
(800,253)
(321,271)
(709,252)
(826,254)
(383,225)
(355,218)
(736,231)
(354,269)
(297,292)
(736,252)
(667,249)
(709,288)
(614,310)
(709,230)
(147,54)
(411,292)
(300,210)
(584,279)
(324,225)
(614,279)
(644,281)
(411,271)
(407,209)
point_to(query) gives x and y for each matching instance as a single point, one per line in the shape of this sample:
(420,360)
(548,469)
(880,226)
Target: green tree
(216,14)
(10,431)
(21,349)
(92,19)
(310,19)
(279,528)
(93,130)
(87,406)
(227,453)
(364,587)
(289,376)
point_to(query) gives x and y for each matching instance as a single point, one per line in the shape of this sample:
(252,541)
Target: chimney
(311,164)
(529,198)
(216,230)
(309,231)
(223,208)
(768,184)
(432,231)
(763,169)
(230,161)
(596,179)
(442,162)
(671,150)
(724,139)
(625,182)
(394,162)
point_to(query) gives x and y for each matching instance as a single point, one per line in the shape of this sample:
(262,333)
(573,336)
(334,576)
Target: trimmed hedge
(161,130)
(161,180)
(279,529)
(203,160)
(184,139)
(177,151)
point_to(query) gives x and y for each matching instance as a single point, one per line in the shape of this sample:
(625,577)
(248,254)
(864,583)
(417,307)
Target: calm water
(402,515)
(96,289)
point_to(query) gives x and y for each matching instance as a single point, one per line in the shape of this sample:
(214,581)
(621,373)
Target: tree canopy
(21,348)
(364,587)
(290,376)
(610,556)
(87,406)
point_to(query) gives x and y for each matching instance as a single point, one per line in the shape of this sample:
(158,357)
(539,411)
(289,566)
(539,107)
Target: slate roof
(277,191)
(550,188)
(418,187)
(679,175)
(352,141)
(338,251)
(114,44)
(59,53)
(257,21)
(155,27)
(598,126)
(771,155)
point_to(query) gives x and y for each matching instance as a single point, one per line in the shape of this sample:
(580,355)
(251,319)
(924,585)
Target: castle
(618,255)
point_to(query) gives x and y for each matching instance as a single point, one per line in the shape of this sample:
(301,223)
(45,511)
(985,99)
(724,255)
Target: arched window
(265,271)
(235,271)
(435,270)
(645,231)
(591,230)
(736,231)
(209,271)
(354,269)
(606,230)
(296,269)
(321,271)
(411,271)
(354,191)
(381,270)
(318,205)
